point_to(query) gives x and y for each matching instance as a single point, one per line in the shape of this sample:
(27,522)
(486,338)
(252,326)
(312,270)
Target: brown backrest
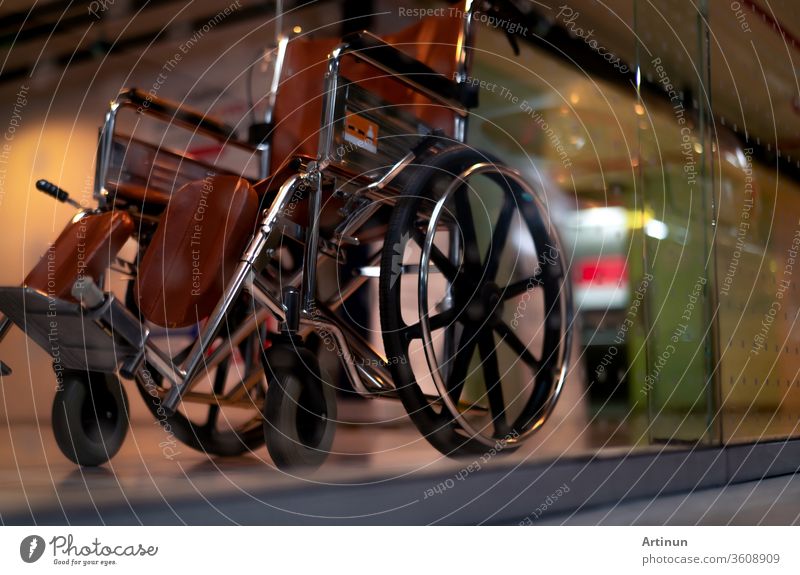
(298,106)
(84,247)
(198,242)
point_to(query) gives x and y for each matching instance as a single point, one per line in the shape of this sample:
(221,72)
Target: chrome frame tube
(466,39)
(393,172)
(315,201)
(265,148)
(245,329)
(105,143)
(5,325)
(162,364)
(374,192)
(264,297)
(312,246)
(272,96)
(355,221)
(369,376)
(329,106)
(352,286)
(104,154)
(263,166)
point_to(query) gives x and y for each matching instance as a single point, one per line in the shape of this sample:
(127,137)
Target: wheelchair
(474,300)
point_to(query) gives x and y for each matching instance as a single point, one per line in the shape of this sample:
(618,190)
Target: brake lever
(513,41)
(507,10)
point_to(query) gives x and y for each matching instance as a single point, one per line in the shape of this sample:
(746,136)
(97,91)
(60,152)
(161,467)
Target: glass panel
(753,69)
(573,135)
(675,183)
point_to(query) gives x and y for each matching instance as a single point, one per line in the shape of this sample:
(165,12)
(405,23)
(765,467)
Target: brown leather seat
(198,242)
(84,248)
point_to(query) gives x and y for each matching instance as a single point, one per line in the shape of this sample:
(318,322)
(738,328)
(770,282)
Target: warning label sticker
(361,132)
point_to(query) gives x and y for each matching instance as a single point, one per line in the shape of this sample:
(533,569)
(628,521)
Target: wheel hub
(483,303)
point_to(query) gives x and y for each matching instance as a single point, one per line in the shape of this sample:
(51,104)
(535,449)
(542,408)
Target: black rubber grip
(51,189)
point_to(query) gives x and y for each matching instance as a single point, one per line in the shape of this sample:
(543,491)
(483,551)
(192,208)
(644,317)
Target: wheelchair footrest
(73,336)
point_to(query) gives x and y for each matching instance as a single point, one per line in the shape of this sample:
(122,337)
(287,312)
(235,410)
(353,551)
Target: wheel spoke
(511,339)
(494,389)
(472,257)
(492,259)
(520,287)
(442,262)
(438,321)
(251,383)
(219,386)
(535,225)
(257,419)
(460,363)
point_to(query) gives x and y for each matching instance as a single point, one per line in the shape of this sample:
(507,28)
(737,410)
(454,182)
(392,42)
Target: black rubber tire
(90,417)
(439,428)
(300,411)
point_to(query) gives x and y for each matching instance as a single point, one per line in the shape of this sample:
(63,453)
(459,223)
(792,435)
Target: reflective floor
(379,446)
(576,471)
(772,501)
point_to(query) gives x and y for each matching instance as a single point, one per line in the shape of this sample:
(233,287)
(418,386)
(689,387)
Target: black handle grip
(291,303)
(51,189)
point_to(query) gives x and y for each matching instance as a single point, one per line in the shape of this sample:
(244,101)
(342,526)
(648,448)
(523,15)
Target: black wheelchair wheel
(300,411)
(203,422)
(475,306)
(90,417)
(206,427)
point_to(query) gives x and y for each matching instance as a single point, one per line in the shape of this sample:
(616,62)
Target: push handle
(51,189)
(54,191)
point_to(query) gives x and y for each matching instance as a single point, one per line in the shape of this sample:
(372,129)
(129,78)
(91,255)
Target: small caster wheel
(90,417)
(300,411)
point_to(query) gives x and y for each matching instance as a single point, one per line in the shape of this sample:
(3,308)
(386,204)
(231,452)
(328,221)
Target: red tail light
(601,271)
